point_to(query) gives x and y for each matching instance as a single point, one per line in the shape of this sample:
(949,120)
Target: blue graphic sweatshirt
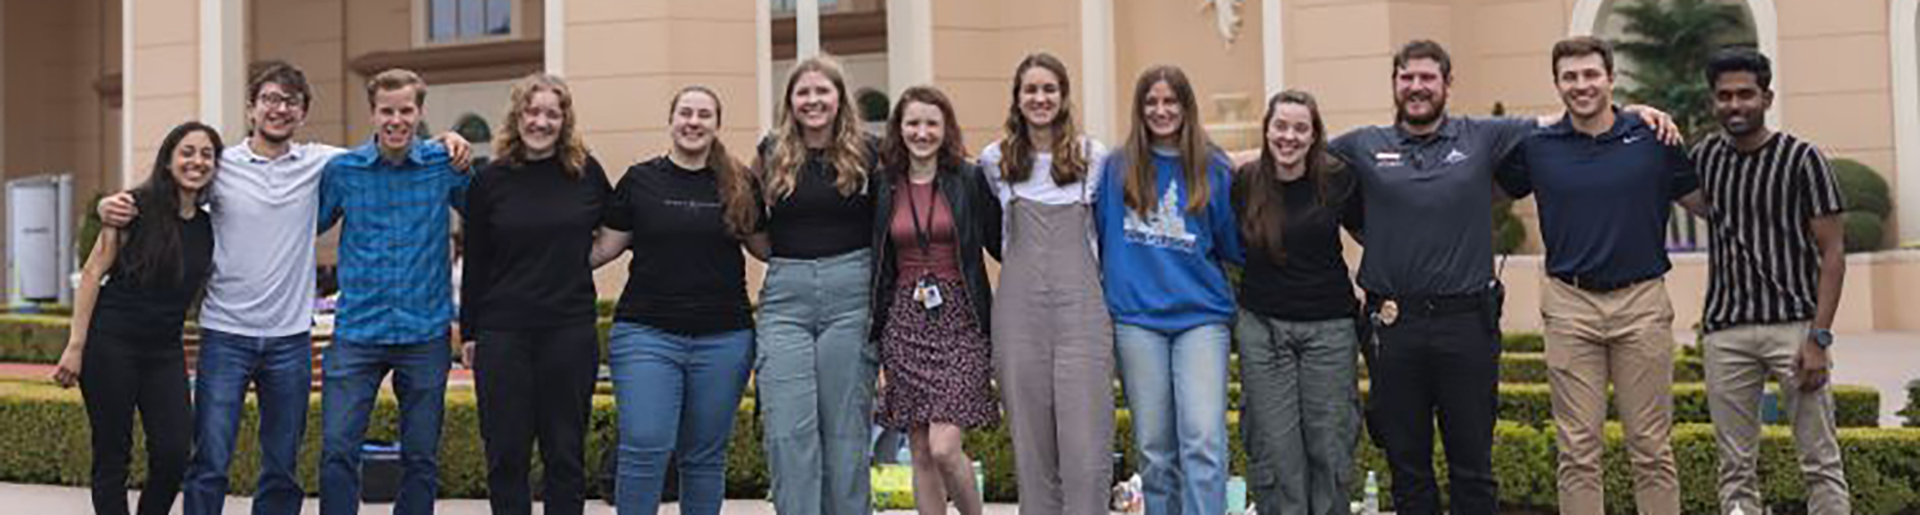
(1162,271)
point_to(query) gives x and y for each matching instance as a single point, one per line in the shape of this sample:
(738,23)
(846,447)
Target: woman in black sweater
(527,297)
(127,317)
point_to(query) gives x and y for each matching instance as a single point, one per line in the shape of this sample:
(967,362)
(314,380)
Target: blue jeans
(281,370)
(677,395)
(353,372)
(1176,386)
(815,373)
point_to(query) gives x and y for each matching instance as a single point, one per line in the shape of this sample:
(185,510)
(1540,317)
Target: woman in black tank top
(134,294)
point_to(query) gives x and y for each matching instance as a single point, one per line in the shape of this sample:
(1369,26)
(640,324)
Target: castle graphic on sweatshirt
(1163,227)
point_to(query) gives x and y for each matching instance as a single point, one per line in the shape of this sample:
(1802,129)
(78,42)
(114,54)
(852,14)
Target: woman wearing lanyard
(1165,226)
(935,215)
(815,369)
(1052,336)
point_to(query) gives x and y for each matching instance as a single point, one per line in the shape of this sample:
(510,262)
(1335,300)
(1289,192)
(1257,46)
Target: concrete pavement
(63,500)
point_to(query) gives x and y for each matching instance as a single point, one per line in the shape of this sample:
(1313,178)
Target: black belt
(1597,285)
(1430,305)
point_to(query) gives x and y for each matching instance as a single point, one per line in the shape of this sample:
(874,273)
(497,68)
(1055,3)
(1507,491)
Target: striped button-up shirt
(395,284)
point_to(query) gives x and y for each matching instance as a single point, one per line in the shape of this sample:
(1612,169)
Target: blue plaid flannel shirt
(394,266)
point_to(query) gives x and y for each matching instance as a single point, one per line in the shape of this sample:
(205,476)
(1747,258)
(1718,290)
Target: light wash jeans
(677,395)
(1176,386)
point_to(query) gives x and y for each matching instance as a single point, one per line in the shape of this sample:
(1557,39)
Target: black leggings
(117,376)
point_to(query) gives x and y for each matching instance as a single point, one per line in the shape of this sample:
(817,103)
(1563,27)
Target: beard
(1439,109)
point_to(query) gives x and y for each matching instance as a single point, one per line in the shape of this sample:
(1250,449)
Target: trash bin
(380,471)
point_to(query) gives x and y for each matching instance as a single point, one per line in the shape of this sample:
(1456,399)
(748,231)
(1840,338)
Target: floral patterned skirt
(937,362)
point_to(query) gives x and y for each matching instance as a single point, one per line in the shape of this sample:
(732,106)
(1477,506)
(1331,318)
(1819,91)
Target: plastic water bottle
(1738,511)
(1371,504)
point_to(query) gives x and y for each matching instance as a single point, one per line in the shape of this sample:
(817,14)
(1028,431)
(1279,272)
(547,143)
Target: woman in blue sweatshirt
(1165,223)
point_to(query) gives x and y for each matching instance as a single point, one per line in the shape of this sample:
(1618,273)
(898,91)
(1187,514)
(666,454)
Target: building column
(1905,41)
(1096,53)
(554,37)
(223,66)
(909,45)
(1273,51)
(763,61)
(806,23)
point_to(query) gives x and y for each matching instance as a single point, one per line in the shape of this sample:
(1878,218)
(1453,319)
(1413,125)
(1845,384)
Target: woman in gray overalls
(1052,336)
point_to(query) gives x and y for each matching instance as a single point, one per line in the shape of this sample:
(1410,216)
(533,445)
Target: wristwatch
(1821,337)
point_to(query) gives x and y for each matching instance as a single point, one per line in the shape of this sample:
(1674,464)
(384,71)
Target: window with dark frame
(458,20)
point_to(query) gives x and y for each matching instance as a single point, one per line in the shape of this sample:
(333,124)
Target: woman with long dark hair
(682,341)
(125,349)
(1296,334)
(934,216)
(1165,226)
(815,368)
(1052,336)
(527,289)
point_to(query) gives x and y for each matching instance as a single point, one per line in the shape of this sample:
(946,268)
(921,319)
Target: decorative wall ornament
(1226,17)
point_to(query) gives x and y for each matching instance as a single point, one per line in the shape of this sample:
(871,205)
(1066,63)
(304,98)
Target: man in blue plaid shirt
(391,196)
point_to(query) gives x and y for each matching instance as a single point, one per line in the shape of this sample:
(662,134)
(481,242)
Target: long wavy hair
(736,196)
(152,251)
(509,148)
(1257,186)
(847,152)
(1195,148)
(894,155)
(1016,152)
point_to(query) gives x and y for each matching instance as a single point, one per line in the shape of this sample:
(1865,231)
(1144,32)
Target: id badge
(928,294)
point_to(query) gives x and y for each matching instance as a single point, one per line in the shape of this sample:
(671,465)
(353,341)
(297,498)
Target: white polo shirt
(264,213)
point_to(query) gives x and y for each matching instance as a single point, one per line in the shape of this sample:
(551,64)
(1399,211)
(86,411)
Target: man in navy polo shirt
(1605,182)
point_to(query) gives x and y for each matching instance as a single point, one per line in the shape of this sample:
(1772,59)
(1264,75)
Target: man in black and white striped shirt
(1776,266)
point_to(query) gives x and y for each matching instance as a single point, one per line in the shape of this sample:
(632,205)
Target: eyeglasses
(279,100)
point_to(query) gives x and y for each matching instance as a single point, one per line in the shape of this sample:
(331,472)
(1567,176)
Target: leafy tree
(1668,43)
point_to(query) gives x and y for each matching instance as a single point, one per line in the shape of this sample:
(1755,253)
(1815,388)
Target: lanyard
(913,212)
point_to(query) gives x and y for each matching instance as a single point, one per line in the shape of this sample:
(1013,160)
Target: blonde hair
(507,145)
(848,152)
(395,79)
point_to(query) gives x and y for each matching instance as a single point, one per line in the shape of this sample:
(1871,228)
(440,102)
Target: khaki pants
(1624,336)
(1738,361)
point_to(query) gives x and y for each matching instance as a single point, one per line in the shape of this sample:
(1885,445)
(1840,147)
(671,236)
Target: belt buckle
(1389,312)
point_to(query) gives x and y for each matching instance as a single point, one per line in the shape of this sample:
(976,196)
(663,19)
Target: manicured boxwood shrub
(1912,411)
(29,338)
(44,430)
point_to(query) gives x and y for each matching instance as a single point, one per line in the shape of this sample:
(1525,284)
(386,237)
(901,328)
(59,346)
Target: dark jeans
(536,384)
(280,369)
(353,372)
(1445,364)
(120,375)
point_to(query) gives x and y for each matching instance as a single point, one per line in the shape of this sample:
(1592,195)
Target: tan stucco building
(88,87)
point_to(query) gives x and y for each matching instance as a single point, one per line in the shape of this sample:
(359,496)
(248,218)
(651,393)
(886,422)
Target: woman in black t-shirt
(127,317)
(1296,329)
(527,297)
(816,367)
(682,340)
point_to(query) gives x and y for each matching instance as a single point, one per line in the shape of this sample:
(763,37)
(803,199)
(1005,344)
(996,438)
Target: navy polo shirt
(1604,199)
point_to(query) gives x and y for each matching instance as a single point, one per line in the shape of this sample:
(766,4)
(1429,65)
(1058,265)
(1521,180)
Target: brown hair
(894,155)
(397,78)
(736,197)
(1582,46)
(507,145)
(287,76)
(1016,151)
(1196,150)
(1424,49)
(780,171)
(1257,187)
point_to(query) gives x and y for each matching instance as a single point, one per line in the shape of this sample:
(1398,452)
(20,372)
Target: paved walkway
(60,500)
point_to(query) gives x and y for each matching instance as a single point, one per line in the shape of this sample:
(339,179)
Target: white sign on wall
(40,239)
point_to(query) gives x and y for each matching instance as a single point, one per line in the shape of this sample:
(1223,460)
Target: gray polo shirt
(262,283)
(1429,221)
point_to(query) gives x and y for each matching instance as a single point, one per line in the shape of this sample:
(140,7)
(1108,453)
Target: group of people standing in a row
(876,280)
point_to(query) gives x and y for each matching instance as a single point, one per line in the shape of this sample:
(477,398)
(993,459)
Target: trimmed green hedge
(44,430)
(29,338)
(1912,411)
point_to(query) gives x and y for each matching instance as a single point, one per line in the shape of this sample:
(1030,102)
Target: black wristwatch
(1821,337)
